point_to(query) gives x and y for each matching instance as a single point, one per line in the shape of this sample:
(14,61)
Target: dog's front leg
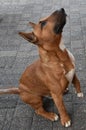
(58,99)
(77,86)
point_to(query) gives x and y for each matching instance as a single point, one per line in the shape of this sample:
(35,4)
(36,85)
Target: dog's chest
(70,74)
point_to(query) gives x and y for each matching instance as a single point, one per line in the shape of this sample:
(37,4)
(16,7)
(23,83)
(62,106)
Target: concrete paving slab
(16,54)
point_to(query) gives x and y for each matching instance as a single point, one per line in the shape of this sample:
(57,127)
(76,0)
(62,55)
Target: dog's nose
(62,10)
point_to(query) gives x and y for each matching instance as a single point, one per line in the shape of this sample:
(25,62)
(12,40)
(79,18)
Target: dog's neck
(47,56)
(64,57)
(58,55)
(56,49)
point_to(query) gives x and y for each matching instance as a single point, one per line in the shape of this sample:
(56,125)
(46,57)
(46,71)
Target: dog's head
(47,30)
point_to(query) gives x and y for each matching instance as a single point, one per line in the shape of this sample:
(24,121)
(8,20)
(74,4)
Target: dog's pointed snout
(62,10)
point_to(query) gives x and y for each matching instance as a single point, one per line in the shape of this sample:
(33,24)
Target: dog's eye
(43,23)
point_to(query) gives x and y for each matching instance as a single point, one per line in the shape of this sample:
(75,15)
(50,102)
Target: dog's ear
(29,36)
(32,24)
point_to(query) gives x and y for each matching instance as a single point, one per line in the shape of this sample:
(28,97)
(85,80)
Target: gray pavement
(16,54)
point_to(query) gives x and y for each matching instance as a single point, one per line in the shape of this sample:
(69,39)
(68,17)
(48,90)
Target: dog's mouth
(60,21)
(59,28)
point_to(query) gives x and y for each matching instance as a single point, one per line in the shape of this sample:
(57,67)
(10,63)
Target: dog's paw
(66,91)
(53,116)
(80,94)
(67,124)
(65,121)
(56,117)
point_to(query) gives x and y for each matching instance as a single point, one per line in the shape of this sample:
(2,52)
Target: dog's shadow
(48,104)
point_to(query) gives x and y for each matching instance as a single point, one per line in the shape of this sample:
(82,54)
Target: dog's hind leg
(77,86)
(36,103)
(49,115)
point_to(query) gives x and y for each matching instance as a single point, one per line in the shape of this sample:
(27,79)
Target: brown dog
(51,74)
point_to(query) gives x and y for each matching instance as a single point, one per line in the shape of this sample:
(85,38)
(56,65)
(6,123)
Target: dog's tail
(10,91)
